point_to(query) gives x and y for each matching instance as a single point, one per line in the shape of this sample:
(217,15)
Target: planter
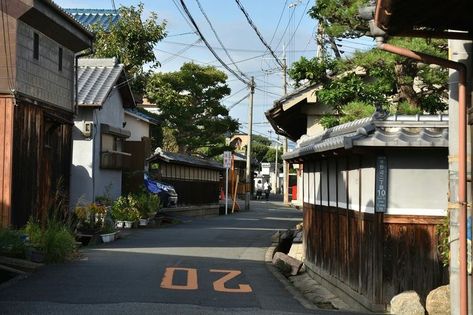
(119,224)
(106,238)
(144,222)
(128,224)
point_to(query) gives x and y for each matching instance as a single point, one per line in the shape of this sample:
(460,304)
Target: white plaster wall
(137,127)
(81,169)
(418,183)
(111,113)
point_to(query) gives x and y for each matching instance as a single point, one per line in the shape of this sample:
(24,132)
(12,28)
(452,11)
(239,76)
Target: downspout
(462,152)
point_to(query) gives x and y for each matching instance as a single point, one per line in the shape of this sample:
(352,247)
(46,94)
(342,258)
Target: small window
(36,46)
(59,56)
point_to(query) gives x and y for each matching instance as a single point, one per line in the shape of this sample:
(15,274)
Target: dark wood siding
(41,160)
(6,133)
(374,258)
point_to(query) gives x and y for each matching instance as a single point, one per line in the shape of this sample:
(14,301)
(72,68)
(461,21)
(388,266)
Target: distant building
(37,104)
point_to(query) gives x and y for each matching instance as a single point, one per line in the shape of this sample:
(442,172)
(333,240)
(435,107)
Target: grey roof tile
(96,82)
(399,131)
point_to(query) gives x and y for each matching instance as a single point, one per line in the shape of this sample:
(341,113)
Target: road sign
(227,159)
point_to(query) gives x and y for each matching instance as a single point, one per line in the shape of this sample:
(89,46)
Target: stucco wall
(417,182)
(137,127)
(41,78)
(112,113)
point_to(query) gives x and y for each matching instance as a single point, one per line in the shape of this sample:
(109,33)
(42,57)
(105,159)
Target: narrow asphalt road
(212,265)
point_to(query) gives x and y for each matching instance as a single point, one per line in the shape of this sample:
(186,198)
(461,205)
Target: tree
(132,41)
(189,101)
(372,79)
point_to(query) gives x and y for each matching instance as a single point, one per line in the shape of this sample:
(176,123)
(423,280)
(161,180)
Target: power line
(279,21)
(180,34)
(181,56)
(240,90)
(299,23)
(218,39)
(180,52)
(258,33)
(235,104)
(208,45)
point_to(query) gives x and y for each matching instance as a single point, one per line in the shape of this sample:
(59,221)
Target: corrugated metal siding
(42,158)
(6,126)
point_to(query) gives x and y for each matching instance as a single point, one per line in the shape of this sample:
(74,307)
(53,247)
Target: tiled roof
(186,159)
(143,116)
(96,79)
(393,131)
(89,17)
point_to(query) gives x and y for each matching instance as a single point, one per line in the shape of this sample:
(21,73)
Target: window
(36,46)
(59,56)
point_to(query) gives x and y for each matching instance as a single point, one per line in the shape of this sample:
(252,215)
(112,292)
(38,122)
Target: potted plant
(90,218)
(125,208)
(108,232)
(148,205)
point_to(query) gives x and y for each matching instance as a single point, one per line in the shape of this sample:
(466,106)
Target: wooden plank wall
(195,192)
(42,161)
(374,256)
(6,134)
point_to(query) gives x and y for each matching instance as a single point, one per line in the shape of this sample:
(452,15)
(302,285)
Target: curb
(268,259)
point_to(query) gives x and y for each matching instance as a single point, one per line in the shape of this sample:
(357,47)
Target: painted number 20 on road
(192,283)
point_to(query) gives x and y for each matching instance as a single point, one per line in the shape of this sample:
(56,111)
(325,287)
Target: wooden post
(235,193)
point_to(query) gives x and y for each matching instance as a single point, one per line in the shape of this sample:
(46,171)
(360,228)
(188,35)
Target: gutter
(462,151)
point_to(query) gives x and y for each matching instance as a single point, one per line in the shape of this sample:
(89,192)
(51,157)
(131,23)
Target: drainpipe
(462,153)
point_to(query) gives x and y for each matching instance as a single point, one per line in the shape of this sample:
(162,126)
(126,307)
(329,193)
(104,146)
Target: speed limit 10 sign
(227,159)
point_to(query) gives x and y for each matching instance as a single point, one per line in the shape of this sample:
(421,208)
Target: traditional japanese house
(37,57)
(374,191)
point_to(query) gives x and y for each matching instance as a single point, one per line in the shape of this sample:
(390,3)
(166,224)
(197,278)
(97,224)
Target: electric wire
(239,91)
(180,52)
(299,23)
(219,40)
(258,33)
(279,22)
(183,57)
(210,47)
(238,102)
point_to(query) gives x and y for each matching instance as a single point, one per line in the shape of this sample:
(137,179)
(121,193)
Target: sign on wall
(381,184)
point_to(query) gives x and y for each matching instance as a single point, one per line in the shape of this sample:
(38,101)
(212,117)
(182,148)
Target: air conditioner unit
(87,129)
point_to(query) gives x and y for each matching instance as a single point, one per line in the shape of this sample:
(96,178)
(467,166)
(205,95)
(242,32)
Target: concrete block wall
(41,78)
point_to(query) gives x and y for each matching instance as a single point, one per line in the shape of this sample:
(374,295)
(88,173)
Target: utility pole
(248,146)
(276,169)
(285,164)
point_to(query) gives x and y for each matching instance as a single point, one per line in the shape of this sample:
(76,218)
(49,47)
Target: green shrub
(58,242)
(125,208)
(55,239)
(12,243)
(443,245)
(147,203)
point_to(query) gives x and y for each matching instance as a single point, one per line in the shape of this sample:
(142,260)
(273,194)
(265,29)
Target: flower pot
(128,224)
(106,238)
(119,224)
(144,222)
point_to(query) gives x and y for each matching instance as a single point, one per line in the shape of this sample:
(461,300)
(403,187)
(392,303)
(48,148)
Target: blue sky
(240,40)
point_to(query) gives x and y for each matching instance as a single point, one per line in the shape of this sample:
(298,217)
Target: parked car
(167,194)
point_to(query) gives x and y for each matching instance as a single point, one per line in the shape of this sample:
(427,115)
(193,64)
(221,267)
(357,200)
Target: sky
(284,25)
